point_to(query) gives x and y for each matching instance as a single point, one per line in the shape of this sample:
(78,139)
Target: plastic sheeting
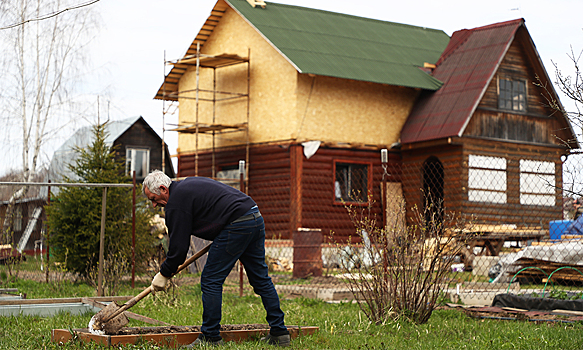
(531,303)
(568,253)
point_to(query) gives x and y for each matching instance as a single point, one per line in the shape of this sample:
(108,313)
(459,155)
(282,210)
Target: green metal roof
(338,45)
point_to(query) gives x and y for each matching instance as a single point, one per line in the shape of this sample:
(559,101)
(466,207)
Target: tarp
(531,303)
(568,253)
(576,228)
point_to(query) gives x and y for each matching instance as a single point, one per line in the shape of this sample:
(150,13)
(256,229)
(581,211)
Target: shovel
(111,319)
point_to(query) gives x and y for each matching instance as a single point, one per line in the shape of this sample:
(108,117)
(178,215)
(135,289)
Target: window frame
(130,164)
(491,171)
(511,91)
(369,179)
(528,169)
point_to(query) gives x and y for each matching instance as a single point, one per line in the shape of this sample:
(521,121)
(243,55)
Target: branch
(49,15)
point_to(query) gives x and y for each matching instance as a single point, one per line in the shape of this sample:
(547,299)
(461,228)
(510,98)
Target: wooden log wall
(516,66)
(450,157)
(513,212)
(319,208)
(293,191)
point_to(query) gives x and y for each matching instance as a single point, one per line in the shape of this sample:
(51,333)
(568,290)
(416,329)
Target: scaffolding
(214,62)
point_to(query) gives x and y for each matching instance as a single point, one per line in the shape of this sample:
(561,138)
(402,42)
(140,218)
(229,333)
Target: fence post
(242,187)
(133,228)
(101,244)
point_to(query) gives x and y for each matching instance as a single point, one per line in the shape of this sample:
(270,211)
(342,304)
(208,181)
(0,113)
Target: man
(577,208)
(216,212)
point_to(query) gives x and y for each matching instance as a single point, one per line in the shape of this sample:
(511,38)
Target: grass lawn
(342,326)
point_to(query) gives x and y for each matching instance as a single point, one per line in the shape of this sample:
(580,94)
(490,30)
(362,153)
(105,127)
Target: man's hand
(159,282)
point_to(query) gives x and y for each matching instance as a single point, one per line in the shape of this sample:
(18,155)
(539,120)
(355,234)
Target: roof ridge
(459,37)
(350,16)
(499,24)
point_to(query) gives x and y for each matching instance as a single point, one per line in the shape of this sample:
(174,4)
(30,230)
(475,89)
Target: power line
(50,15)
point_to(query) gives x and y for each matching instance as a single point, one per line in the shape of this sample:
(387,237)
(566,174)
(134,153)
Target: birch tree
(44,53)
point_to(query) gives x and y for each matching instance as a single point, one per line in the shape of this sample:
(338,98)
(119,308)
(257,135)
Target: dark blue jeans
(243,241)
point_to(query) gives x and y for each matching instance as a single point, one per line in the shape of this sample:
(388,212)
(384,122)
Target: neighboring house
(309,98)
(134,140)
(26,220)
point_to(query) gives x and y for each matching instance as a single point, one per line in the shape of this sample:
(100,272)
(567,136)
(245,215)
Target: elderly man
(216,212)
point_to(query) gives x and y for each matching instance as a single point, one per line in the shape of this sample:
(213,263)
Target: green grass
(342,326)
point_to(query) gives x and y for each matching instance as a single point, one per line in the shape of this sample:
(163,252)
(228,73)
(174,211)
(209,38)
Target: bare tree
(43,60)
(571,85)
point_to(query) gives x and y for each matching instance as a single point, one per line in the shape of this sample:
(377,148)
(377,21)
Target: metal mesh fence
(518,218)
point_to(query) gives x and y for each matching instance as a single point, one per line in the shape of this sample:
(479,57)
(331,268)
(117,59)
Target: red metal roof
(466,66)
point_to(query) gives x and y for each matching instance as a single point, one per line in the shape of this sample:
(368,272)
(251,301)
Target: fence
(13,230)
(515,215)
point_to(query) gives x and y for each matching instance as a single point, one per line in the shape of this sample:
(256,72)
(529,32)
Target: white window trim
(130,161)
(537,183)
(487,179)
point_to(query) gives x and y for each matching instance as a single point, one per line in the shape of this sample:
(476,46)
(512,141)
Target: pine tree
(75,212)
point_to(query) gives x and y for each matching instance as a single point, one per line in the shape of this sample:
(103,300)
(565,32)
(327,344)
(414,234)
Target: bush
(400,270)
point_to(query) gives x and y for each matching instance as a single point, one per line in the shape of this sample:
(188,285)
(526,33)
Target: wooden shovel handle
(133,301)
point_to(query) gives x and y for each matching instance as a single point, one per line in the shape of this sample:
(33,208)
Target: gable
(538,123)
(470,68)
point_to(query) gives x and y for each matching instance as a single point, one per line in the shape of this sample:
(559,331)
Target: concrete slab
(46,309)
(315,292)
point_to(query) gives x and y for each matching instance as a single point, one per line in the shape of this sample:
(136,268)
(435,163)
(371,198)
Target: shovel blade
(110,326)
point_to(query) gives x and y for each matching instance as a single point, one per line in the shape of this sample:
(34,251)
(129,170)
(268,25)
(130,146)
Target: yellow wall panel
(340,110)
(272,113)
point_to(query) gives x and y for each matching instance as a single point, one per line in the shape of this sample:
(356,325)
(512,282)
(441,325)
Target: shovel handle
(133,301)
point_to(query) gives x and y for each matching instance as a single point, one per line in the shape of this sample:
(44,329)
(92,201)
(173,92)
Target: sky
(137,36)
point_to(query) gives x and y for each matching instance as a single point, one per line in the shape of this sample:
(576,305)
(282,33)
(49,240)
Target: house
(309,98)
(133,139)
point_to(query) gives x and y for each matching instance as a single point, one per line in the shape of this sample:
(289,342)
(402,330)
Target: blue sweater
(201,207)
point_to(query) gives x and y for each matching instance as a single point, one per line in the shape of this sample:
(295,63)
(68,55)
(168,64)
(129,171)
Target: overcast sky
(128,54)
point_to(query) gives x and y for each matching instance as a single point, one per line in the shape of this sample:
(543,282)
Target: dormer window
(512,95)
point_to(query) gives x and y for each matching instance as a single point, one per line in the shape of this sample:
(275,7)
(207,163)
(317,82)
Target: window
(512,95)
(486,179)
(138,160)
(351,182)
(537,182)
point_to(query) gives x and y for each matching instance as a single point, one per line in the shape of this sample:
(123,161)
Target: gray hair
(154,180)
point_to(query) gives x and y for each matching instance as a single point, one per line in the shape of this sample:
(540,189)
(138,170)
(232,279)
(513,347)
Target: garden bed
(172,336)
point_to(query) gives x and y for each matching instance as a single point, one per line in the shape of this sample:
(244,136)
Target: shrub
(400,270)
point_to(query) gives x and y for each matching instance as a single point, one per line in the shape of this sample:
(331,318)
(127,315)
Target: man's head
(155,188)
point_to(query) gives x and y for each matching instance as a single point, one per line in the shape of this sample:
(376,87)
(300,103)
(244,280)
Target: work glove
(159,282)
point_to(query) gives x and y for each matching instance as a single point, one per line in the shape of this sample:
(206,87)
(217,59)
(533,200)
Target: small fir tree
(75,212)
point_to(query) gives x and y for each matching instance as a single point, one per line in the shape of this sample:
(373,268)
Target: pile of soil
(182,329)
